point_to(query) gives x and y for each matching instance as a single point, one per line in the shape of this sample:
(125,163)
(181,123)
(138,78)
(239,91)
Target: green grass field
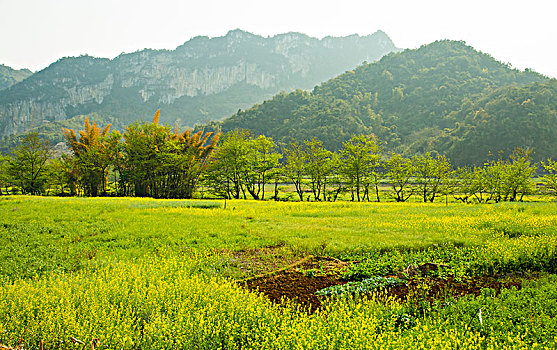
(129,273)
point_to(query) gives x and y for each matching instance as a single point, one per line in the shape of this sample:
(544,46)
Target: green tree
(144,152)
(27,166)
(243,165)
(94,150)
(65,174)
(518,173)
(161,164)
(376,176)
(359,158)
(4,178)
(318,167)
(431,174)
(230,164)
(335,180)
(122,173)
(470,184)
(262,159)
(277,176)
(234,161)
(294,167)
(490,180)
(190,159)
(549,180)
(399,172)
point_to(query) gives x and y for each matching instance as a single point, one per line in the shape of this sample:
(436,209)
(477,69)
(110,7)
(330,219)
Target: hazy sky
(35,33)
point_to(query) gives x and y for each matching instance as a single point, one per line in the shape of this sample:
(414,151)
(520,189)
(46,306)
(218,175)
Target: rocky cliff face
(204,79)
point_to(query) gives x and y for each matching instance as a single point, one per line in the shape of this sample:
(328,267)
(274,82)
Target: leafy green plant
(365,286)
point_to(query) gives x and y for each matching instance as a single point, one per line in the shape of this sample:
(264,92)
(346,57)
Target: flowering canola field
(149,274)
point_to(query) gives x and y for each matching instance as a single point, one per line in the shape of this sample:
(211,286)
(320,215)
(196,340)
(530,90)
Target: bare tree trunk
(276,190)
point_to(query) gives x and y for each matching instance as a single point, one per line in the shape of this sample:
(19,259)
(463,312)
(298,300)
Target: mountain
(412,100)
(509,117)
(204,79)
(10,76)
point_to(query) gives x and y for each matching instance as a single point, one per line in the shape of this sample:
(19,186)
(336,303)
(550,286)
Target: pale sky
(35,33)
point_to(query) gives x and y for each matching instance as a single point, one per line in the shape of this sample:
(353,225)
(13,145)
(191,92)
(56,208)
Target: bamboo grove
(150,160)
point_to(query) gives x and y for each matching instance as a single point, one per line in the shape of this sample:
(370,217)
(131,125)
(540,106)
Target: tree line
(149,159)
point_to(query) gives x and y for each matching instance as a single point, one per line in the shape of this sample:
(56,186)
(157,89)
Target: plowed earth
(300,283)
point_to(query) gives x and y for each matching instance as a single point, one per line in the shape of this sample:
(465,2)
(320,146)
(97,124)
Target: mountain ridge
(10,76)
(409,99)
(240,69)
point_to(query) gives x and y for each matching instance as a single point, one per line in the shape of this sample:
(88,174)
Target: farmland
(140,273)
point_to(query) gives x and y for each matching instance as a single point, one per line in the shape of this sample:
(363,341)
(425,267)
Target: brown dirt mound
(322,265)
(294,286)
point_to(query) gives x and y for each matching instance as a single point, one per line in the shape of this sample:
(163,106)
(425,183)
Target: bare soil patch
(293,286)
(300,282)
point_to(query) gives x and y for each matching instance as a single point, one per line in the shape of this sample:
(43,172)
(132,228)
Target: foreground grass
(39,234)
(168,302)
(149,274)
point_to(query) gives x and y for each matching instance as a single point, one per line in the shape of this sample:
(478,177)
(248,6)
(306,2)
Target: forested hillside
(506,118)
(10,76)
(415,101)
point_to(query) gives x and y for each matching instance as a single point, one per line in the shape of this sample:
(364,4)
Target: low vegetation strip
(41,234)
(367,285)
(148,160)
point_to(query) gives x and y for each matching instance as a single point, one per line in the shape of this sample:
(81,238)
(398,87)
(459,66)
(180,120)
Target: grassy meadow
(134,273)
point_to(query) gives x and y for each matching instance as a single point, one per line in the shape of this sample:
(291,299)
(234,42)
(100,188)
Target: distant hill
(205,79)
(10,76)
(414,101)
(52,131)
(510,117)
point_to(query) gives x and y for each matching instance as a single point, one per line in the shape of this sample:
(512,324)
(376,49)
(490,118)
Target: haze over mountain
(444,97)
(204,79)
(10,76)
